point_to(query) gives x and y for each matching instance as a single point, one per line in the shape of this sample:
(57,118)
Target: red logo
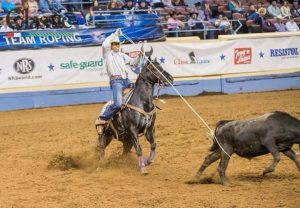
(242,56)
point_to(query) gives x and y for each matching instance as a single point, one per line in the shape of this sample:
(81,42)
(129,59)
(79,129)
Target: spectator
(143,7)
(95,7)
(260,19)
(167,3)
(7,6)
(295,9)
(178,3)
(156,4)
(291,25)
(222,23)
(235,6)
(114,7)
(285,10)
(46,6)
(19,23)
(43,22)
(174,23)
(4,27)
(57,22)
(251,11)
(129,5)
(279,25)
(194,23)
(33,7)
(17,3)
(273,10)
(207,11)
(268,26)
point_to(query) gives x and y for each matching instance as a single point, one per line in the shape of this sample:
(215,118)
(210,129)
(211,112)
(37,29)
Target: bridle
(149,68)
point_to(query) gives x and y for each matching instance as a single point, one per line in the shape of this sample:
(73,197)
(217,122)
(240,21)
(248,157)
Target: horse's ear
(155,60)
(149,58)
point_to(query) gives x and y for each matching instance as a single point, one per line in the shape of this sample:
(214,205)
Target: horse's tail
(214,146)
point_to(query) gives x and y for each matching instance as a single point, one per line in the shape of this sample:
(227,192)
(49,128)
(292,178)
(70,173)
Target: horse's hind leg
(127,146)
(150,136)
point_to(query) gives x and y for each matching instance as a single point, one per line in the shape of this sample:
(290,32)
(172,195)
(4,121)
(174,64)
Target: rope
(184,100)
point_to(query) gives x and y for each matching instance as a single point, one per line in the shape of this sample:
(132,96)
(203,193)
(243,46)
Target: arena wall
(208,74)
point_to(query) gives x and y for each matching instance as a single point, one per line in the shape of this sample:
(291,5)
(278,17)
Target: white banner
(46,67)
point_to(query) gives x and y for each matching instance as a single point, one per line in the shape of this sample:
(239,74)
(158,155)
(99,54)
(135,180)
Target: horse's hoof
(148,162)
(144,171)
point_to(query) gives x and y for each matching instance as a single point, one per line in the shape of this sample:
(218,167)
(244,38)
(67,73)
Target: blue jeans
(117,86)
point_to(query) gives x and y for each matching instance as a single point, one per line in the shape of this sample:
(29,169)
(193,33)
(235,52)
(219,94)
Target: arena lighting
(211,132)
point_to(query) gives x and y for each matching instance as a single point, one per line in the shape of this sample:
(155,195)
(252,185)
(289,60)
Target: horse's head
(154,73)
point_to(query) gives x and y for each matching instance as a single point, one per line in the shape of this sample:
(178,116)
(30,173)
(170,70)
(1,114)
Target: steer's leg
(209,159)
(271,146)
(223,165)
(291,154)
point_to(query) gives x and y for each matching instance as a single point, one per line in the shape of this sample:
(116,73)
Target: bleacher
(79,16)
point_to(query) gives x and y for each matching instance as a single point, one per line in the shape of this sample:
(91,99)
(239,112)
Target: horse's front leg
(134,138)
(150,136)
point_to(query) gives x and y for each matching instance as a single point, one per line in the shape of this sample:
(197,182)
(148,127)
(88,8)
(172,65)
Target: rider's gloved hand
(118,32)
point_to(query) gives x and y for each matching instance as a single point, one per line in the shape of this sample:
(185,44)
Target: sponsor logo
(24,66)
(191,59)
(83,65)
(284,53)
(242,56)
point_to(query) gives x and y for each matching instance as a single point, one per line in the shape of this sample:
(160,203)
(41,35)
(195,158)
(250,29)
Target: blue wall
(40,99)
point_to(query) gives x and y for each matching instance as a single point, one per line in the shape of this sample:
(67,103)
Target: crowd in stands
(175,16)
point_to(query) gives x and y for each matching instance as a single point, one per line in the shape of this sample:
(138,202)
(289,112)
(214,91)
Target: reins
(184,100)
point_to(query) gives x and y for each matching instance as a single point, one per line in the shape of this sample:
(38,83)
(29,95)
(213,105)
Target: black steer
(273,132)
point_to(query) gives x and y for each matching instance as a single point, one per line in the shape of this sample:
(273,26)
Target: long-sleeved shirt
(291,26)
(280,27)
(285,11)
(117,63)
(273,11)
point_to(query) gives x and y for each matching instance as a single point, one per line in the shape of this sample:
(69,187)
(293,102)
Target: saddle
(102,124)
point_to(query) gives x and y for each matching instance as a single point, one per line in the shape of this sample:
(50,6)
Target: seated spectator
(285,10)
(19,23)
(17,3)
(114,6)
(279,25)
(273,10)
(5,27)
(128,5)
(46,6)
(7,6)
(174,23)
(180,3)
(291,25)
(43,22)
(143,7)
(167,3)
(194,23)
(207,11)
(95,7)
(33,7)
(204,12)
(295,9)
(235,6)
(156,4)
(57,22)
(222,23)
(251,11)
(260,19)
(268,26)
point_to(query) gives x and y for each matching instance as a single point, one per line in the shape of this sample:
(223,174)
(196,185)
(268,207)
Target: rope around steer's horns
(211,132)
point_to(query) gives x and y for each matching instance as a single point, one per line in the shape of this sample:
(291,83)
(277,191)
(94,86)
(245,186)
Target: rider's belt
(115,77)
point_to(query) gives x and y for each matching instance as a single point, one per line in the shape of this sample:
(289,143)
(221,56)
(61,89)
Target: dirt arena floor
(47,159)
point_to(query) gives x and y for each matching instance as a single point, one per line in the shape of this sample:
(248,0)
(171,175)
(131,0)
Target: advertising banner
(33,39)
(60,66)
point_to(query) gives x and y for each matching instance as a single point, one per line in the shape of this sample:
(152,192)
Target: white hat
(115,40)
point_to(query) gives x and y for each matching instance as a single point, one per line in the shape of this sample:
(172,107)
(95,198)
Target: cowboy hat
(262,11)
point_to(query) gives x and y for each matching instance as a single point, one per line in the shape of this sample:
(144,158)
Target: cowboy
(117,64)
